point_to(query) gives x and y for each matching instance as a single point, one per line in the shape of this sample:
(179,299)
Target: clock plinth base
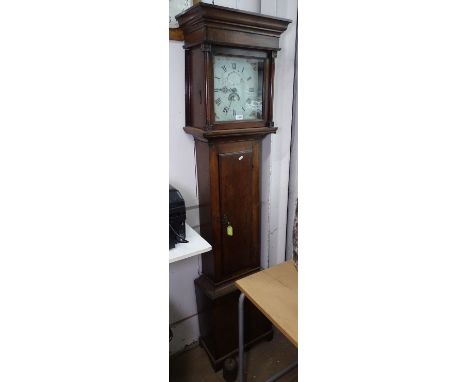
(218,321)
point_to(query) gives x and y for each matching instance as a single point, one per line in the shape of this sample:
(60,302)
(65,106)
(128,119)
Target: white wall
(183,310)
(182,175)
(245,5)
(181,148)
(279,150)
(293,183)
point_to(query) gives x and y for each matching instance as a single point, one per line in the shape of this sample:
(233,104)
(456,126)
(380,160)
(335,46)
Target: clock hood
(212,24)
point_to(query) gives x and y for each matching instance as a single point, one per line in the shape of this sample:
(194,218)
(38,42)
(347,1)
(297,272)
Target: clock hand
(224,89)
(233,97)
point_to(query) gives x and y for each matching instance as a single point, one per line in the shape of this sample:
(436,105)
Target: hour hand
(224,89)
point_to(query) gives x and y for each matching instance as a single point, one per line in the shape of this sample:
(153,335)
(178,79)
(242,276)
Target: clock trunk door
(239,207)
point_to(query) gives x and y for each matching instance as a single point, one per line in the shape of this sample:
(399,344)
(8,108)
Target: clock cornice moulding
(213,24)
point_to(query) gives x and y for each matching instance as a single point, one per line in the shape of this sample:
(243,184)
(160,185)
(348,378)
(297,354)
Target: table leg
(241,337)
(282,372)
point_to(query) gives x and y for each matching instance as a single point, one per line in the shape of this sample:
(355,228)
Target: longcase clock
(229,78)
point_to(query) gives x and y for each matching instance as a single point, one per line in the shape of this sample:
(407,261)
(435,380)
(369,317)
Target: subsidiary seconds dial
(237,88)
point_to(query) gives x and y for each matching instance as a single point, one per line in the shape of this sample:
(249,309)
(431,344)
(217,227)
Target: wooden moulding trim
(203,12)
(216,290)
(213,292)
(212,134)
(241,36)
(193,44)
(230,27)
(237,38)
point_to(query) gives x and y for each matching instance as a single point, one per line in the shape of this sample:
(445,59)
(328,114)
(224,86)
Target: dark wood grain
(188,87)
(228,166)
(233,134)
(230,27)
(212,30)
(197,79)
(271,87)
(235,162)
(208,86)
(205,205)
(228,187)
(219,324)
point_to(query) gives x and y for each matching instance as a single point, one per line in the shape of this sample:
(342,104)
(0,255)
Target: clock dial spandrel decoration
(238,88)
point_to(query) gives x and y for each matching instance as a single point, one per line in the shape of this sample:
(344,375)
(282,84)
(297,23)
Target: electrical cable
(180,239)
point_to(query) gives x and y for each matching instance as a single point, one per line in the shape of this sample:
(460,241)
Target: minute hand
(226,90)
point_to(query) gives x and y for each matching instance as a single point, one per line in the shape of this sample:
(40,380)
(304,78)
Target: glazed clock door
(239,206)
(238,88)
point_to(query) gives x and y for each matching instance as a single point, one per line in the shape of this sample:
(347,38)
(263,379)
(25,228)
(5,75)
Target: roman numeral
(243,109)
(249,78)
(234,113)
(218,101)
(233,65)
(217,78)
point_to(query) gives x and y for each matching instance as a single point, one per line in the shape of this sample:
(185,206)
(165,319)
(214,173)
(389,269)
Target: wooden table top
(274,292)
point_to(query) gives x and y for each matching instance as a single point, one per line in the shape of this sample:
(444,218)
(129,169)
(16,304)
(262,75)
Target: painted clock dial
(238,88)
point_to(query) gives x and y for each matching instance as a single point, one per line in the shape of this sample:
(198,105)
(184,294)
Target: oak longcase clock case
(229,72)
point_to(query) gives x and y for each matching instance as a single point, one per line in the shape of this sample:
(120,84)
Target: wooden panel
(274,292)
(238,177)
(204,197)
(219,326)
(229,186)
(271,89)
(236,210)
(215,213)
(240,52)
(197,88)
(230,37)
(227,26)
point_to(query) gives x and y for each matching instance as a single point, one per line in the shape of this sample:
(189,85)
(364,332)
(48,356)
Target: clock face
(238,88)
(176,7)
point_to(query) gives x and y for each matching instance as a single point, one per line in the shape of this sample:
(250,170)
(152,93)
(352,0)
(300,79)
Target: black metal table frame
(241,347)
